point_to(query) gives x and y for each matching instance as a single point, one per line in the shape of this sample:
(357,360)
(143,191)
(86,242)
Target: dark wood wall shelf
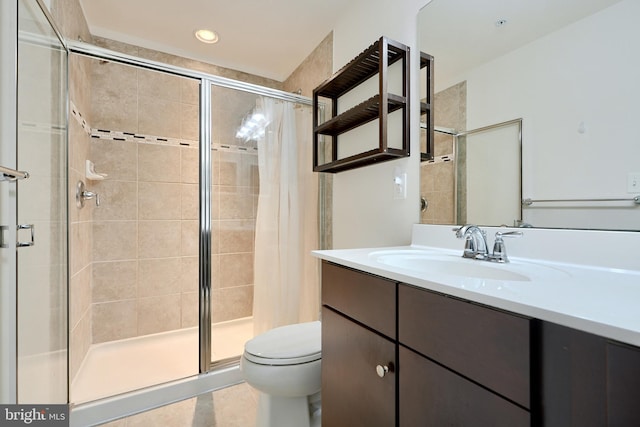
(376,59)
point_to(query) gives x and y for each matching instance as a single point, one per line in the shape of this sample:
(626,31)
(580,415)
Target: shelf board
(359,115)
(424,107)
(362,159)
(361,68)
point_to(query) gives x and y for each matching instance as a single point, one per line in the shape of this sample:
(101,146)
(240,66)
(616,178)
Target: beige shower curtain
(286,276)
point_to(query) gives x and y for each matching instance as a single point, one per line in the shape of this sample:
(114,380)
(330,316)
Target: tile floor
(230,407)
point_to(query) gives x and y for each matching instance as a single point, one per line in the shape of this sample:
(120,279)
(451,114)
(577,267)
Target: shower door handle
(32,242)
(12,175)
(3,228)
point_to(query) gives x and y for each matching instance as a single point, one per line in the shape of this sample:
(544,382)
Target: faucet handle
(499,249)
(470,247)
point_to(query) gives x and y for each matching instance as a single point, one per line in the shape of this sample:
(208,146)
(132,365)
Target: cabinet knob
(382,370)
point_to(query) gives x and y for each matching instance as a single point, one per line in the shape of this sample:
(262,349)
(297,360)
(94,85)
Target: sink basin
(435,263)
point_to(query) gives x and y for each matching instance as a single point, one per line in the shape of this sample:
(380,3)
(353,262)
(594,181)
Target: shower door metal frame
(205,227)
(456,140)
(207,81)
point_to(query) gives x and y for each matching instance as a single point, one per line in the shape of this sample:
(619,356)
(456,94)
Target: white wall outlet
(633,182)
(400,186)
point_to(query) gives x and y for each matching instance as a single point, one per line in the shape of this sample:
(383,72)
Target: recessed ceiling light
(207,36)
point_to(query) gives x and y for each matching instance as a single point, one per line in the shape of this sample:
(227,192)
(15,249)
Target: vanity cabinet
(461,364)
(449,363)
(452,362)
(358,349)
(587,380)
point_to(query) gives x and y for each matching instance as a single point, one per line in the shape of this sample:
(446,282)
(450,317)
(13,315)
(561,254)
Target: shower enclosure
(163,284)
(141,130)
(161,212)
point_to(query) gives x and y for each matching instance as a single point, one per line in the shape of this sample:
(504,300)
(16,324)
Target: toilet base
(277,411)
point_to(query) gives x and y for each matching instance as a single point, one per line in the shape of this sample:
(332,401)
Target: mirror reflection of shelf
(426,107)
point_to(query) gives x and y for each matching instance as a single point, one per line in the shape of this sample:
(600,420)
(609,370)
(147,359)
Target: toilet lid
(286,345)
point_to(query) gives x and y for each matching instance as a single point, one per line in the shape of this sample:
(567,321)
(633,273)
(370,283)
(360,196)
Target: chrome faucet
(475,243)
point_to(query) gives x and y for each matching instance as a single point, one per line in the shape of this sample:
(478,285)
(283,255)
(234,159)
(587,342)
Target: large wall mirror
(536,109)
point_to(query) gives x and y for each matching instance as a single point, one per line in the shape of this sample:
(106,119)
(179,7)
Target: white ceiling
(462,34)
(269,38)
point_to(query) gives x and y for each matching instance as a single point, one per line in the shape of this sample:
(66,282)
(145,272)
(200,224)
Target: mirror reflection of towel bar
(529,202)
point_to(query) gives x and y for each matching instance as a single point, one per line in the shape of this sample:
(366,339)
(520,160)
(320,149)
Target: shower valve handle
(82,194)
(88,195)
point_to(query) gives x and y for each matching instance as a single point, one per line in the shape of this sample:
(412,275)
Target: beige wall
(314,70)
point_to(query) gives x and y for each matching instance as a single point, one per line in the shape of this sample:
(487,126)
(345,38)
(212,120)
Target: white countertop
(603,300)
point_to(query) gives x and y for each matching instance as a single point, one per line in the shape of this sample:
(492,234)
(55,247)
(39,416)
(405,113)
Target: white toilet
(283,364)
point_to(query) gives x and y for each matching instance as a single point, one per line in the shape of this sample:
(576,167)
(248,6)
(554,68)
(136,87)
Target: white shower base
(121,366)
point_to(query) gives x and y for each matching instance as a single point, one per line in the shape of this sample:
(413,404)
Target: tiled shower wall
(437,180)
(72,23)
(145,240)
(145,233)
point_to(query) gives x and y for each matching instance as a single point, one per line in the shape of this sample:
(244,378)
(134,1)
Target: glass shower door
(8,41)
(41,232)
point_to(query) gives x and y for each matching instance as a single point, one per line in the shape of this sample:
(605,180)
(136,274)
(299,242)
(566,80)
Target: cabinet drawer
(488,346)
(366,298)
(430,395)
(353,394)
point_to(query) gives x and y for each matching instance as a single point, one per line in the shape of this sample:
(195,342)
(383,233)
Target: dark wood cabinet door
(353,394)
(573,380)
(433,396)
(623,385)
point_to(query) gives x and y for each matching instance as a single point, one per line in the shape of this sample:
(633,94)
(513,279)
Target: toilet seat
(286,345)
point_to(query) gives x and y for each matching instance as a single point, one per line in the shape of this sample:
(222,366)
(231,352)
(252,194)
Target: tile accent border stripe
(148,139)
